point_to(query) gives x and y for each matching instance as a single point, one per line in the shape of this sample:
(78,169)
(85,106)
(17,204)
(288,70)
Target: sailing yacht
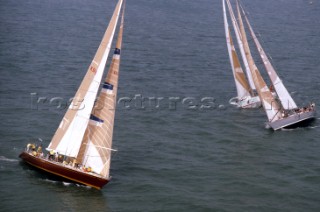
(80,150)
(281,109)
(247,96)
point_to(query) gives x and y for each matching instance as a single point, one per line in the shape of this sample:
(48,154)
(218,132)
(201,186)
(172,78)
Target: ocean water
(173,154)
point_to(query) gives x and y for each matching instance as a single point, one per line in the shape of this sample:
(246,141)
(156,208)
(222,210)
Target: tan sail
(240,43)
(286,100)
(69,135)
(239,74)
(241,82)
(96,149)
(270,105)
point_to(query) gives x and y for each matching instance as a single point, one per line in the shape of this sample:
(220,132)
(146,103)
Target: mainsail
(286,100)
(69,135)
(95,151)
(270,104)
(239,76)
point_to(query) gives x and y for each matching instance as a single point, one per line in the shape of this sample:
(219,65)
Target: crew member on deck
(28,147)
(33,147)
(39,150)
(51,155)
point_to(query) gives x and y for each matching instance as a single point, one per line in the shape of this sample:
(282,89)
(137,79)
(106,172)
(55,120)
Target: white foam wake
(3,158)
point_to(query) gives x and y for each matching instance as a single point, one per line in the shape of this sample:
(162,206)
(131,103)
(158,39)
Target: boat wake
(298,128)
(67,183)
(267,126)
(285,129)
(64,183)
(51,181)
(3,158)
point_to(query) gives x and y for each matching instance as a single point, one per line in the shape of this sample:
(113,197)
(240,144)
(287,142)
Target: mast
(270,105)
(239,76)
(68,137)
(286,100)
(240,43)
(96,146)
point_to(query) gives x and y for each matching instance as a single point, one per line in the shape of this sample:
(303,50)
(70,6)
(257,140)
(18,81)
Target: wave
(267,126)
(286,129)
(3,158)
(51,181)
(66,183)
(299,128)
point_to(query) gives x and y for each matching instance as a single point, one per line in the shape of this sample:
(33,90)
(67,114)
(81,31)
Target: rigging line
(86,141)
(102,147)
(258,34)
(73,129)
(107,163)
(92,156)
(275,115)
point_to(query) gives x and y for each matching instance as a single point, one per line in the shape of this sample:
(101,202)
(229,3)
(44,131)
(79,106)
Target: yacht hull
(65,171)
(246,103)
(295,120)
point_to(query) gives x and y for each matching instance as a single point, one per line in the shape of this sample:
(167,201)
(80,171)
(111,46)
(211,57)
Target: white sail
(96,148)
(286,100)
(240,43)
(240,80)
(271,106)
(69,135)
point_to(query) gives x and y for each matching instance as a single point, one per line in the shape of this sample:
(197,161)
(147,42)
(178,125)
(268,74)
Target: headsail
(286,100)
(239,76)
(270,105)
(68,137)
(96,149)
(240,43)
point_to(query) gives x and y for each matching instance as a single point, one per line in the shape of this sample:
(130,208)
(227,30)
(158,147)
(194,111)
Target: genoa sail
(286,100)
(96,146)
(269,103)
(69,135)
(240,43)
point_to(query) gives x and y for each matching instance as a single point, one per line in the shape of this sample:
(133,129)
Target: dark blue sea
(181,146)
